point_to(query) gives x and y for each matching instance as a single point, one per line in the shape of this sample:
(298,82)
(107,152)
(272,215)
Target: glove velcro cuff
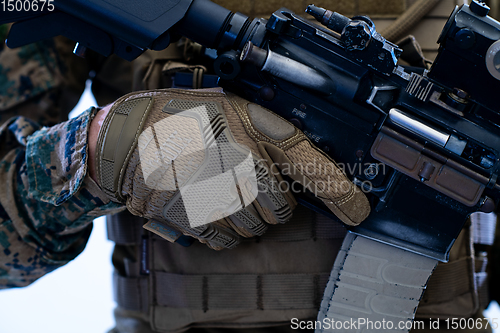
(117,140)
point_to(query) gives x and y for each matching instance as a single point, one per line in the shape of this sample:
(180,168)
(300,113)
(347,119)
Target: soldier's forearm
(48,201)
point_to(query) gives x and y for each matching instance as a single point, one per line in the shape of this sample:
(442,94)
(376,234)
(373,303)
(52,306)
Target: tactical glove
(209,164)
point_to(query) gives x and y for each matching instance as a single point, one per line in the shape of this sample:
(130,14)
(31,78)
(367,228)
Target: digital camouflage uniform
(49,201)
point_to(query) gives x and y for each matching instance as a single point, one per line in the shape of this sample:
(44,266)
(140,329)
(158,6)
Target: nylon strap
(481,279)
(449,281)
(483,233)
(483,228)
(126,229)
(131,293)
(374,282)
(242,291)
(304,225)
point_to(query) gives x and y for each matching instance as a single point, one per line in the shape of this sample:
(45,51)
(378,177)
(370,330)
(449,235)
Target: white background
(76,298)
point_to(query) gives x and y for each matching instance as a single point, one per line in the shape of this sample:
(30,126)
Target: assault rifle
(426,142)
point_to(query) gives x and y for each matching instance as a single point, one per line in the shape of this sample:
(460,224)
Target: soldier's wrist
(95,127)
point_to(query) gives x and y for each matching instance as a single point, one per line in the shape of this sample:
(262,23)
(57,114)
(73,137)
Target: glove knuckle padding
(204,164)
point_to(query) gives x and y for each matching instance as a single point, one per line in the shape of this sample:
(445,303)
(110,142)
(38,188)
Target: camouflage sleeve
(48,200)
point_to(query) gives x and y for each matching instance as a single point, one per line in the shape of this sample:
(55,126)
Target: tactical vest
(267,280)
(271,279)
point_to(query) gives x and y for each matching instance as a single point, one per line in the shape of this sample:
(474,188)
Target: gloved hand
(207,164)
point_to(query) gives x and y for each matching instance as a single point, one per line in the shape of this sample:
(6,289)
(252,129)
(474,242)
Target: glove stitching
(127,157)
(346,198)
(339,201)
(293,141)
(193,93)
